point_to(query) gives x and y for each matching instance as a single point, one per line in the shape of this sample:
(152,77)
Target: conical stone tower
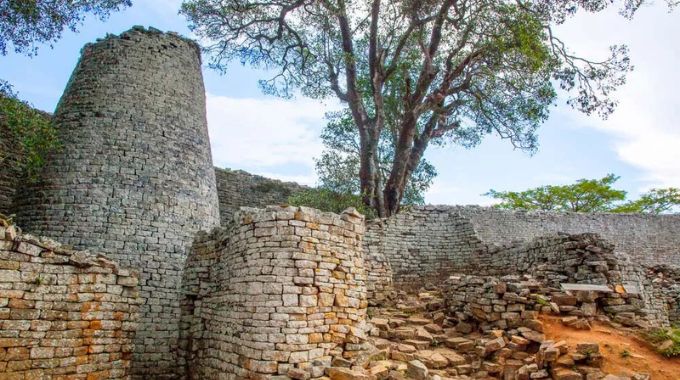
(134,176)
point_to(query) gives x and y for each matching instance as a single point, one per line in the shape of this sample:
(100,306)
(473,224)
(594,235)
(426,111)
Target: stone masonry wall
(553,259)
(278,293)
(63,313)
(236,189)
(426,242)
(423,244)
(134,177)
(648,239)
(379,284)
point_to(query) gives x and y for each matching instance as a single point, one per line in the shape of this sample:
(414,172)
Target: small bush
(667,341)
(271,186)
(31,127)
(328,200)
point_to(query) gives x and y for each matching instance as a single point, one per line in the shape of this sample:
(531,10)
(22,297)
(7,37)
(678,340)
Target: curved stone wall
(423,244)
(134,177)
(649,239)
(237,188)
(279,292)
(428,242)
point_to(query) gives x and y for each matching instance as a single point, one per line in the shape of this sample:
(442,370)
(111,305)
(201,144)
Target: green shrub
(32,128)
(269,186)
(328,200)
(666,340)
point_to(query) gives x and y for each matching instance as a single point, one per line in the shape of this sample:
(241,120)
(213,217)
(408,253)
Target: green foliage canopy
(25,23)
(339,164)
(33,130)
(329,200)
(587,195)
(425,72)
(655,201)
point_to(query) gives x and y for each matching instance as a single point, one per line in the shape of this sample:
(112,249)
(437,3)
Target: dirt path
(623,354)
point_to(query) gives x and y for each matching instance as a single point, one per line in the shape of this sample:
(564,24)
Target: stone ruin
(189,281)
(281,290)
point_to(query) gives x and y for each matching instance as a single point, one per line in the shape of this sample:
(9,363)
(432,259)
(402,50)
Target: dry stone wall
(422,244)
(379,284)
(64,314)
(662,286)
(427,242)
(237,188)
(278,293)
(648,239)
(134,177)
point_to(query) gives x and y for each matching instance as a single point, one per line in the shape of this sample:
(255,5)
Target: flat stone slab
(631,288)
(587,288)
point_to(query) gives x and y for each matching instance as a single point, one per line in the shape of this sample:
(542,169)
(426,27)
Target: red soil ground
(624,353)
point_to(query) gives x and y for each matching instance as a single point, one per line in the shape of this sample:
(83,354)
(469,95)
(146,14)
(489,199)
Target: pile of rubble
(481,328)
(514,301)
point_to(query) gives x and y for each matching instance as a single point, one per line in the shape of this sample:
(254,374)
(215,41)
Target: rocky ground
(416,339)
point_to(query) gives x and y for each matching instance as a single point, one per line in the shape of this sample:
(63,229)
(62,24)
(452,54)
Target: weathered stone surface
(71,317)
(346,374)
(253,303)
(134,177)
(566,374)
(417,370)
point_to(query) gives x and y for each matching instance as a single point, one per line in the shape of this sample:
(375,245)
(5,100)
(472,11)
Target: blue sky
(279,138)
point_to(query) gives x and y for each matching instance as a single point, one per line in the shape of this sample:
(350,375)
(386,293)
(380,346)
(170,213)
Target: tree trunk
(369,175)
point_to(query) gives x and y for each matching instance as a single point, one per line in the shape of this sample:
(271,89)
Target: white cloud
(264,132)
(646,124)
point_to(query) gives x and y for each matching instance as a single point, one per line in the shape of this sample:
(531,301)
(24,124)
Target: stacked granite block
(280,292)
(134,176)
(237,188)
(63,313)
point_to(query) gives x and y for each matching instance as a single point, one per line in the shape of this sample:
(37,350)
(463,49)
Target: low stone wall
(648,239)
(508,302)
(378,268)
(423,244)
(555,259)
(662,283)
(237,188)
(280,291)
(63,313)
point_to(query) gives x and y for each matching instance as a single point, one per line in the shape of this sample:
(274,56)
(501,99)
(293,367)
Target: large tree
(440,70)
(338,166)
(25,23)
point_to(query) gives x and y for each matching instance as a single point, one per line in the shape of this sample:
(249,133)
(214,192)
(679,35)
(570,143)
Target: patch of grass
(328,200)
(272,186)
(625,353)
(542,301)
(666,340)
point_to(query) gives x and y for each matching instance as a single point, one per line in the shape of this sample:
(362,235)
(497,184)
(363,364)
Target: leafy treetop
(425,71)
(587,195)
(33,130)
(25,23)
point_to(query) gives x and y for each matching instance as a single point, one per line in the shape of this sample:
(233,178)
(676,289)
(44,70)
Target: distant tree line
(588,195)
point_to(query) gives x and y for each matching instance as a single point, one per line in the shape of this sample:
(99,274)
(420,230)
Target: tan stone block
(42,352)
(17,353)
(298,357)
